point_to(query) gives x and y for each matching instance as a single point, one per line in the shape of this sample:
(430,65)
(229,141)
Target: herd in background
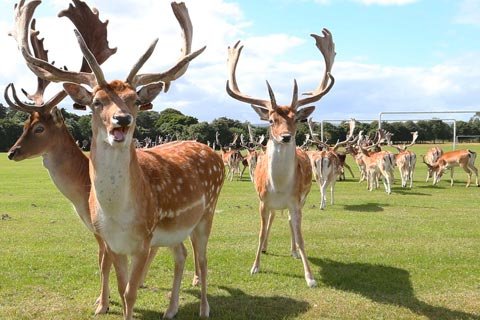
(159,196)
(374,164)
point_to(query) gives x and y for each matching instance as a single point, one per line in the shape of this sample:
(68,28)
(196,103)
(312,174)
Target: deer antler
(175,72)
(85,20)
(327,48)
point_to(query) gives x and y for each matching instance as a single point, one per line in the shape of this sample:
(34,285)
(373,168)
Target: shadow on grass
(409,192)
(382,284)
(430,186)
(366,207)
(240,305)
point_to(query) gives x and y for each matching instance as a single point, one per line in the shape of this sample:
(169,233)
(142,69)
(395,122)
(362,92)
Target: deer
(45,133)
(431,157)
(326,163)
(147,198)
(231,156)
(252,154)
(378,164)
(283,175)
(405,159)
(464,159)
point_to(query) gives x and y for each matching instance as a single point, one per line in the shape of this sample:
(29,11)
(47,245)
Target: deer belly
(121,239)
(167,238)
(278,201)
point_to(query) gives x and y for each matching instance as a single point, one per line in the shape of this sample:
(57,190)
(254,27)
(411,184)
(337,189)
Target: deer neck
(67,166)
(281,165)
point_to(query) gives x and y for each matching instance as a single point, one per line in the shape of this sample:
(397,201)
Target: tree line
(177,126)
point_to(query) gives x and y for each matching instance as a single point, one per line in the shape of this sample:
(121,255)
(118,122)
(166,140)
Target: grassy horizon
(413,254)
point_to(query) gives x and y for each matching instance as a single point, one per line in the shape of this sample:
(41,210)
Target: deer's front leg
(271,217)
(264,214)
(296,224)
(104,263)
(138,262)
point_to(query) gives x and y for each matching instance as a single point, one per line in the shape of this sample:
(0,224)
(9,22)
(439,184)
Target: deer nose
(286,138)
(12,152)
(123,119)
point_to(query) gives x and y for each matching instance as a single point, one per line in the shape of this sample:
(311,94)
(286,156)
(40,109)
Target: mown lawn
(413,254)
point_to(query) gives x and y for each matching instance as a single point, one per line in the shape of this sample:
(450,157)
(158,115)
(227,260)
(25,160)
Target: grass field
(413,254)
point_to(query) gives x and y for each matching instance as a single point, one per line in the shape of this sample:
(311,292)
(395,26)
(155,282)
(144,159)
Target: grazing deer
(449,160)
(149,197)
(45,133)
(283,175)
(431,157)
(405,160)
(326,164)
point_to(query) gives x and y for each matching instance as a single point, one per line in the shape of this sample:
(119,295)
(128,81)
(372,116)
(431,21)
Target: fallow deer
(405,160)
(326,164)
(464,159)
(231,156)
(146,198)
(46,135)
(431,157)
(283,175)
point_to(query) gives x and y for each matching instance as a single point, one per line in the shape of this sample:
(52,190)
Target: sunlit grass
(413,254)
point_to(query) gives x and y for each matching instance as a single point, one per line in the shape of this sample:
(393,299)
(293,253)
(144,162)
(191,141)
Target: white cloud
(469,13)
(386,2)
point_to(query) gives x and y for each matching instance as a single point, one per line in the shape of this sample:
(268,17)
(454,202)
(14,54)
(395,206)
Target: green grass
(413,254)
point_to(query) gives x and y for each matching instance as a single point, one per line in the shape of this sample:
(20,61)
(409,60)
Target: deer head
(45,124)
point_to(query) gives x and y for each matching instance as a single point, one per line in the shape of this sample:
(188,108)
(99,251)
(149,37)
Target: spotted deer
(45,133)
(283,175)
(405,160)
(150,197)
(464,159)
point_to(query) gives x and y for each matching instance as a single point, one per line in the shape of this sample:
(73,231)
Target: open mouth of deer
(119,133)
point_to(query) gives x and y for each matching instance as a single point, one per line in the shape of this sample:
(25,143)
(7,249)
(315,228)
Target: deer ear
(79,94)
(57,116)
(303,114)
(261,111)
(148,93)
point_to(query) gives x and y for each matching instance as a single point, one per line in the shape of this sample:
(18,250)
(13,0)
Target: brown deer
(283,175)
(464,159)
(147,198)
(431,157)
(405,160)
(46,135)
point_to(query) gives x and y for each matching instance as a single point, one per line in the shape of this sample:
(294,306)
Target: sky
(392,55)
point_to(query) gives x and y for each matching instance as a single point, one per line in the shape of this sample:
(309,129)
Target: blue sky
(392,55)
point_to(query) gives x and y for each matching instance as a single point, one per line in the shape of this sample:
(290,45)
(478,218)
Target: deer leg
(179,255)
(475,170)
(323,190)
(264,215)
(199,237)
(138,262)
(296,225)
(120,262)
(271,216)
(451,177)
(293,246)
(332,191)
(151,254)
(349,169)
(105,263)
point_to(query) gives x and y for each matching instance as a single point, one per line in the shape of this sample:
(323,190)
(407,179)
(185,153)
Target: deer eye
(97,104)
(39,129)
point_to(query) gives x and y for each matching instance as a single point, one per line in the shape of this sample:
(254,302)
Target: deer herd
(137,200)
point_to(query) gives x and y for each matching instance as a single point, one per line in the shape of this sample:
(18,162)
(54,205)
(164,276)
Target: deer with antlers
(45,133)
(464,159)
(145,198)
(283,175)
(251,158)
(231,156)
(326,163)
(405,159)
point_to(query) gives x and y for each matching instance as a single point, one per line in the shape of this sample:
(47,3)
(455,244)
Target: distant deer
(283,175)
(405,160)
(431,157)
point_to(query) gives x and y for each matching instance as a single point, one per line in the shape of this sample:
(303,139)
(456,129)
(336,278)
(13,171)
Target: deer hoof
(312,283)
(254,270)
